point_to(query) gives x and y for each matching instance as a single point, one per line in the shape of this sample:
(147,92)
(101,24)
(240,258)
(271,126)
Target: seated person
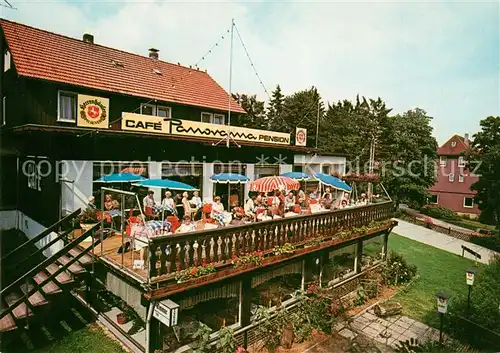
(250,207)
(91,204)
(265,216)
(237,220)
(148,204)
(186,226)
(289,201)
(197,204)
(217,207)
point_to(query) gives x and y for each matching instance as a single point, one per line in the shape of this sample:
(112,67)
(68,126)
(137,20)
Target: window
(4,101)
(158,110)
(442,160)
(148,109)
(453,143)
(451,177)
(6,61)
(461,161)
(266,170)
(66,107)
(298,168)
(163,112)
(461,178)
(468,202)
(325,169)
(433,199)
(213,118)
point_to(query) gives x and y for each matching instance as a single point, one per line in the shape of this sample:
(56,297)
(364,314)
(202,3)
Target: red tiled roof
(448,150)
(44,55)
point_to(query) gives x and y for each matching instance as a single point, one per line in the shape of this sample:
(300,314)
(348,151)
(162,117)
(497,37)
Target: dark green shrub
(490,242)
(396,270)
(439,212)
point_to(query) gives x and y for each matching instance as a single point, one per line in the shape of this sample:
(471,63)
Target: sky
(442,57)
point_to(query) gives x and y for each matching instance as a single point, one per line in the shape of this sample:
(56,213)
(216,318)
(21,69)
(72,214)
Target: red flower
(194,270)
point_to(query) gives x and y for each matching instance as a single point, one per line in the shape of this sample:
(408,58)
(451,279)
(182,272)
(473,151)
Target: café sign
(188,128)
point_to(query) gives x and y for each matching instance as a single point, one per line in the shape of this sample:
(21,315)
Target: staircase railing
(52,277)
(40,236)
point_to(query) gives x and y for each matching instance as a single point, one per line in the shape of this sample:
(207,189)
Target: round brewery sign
(300,137)
(93,111)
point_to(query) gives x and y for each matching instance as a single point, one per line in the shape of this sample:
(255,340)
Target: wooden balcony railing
(172,253)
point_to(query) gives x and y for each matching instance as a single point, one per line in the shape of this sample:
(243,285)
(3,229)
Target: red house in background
(453,187)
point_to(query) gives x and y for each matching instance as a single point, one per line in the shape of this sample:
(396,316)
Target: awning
(332,181)
(297,176)
(268,184)
(119,178)
(231,178)
(165,184)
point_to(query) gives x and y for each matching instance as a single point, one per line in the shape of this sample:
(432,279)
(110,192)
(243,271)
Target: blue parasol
(231,178)
(165,184)
(119,178)
(332,181)
(297,176)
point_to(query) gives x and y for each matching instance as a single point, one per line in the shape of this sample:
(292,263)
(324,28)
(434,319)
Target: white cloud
(410,54)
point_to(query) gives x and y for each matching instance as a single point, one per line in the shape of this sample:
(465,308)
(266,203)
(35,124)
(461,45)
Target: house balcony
(178,262)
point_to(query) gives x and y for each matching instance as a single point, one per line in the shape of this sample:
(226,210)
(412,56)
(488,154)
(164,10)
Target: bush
(440,212)
(396,270)
(489,242)
(485,301)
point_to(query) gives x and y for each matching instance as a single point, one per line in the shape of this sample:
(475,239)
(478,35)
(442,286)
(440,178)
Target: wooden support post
(245,306)
(359,253)
(385,248)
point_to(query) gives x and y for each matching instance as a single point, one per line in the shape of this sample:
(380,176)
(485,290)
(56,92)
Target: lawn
(438,270)
(91,339)
(470,224)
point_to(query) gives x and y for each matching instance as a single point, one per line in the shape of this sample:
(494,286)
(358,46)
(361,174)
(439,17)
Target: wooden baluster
(203,253)
(248,242)
(234,245)
(178,257)
(158,260)
(227,249)
(168,261)
(195,253)
(241,243)
(187,255)
(212,249)
(219,248)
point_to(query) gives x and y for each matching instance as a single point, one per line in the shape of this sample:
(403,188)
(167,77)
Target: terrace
(209,256)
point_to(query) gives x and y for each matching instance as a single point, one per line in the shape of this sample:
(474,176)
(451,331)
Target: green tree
(275,110)
(485,154)
(255,112)
(301,110)
(409,169)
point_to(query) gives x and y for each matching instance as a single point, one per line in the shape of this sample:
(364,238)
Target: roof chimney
(466,138)
(88,38)
(153,53)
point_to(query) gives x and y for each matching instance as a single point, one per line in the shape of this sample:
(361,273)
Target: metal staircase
(30,281)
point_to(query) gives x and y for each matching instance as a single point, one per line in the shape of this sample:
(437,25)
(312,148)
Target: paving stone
(347,333)
(358,326)
(377,326)
(370,316)
(398,329)
(393,318)
(420,325)
(403,324)
(339,326)
(370,331)
(407,320)
(363,320)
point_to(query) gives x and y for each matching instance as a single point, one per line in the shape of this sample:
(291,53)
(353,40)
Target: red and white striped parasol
(134,170)
(272,183)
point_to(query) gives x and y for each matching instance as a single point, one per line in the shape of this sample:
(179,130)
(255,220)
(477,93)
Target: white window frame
(461,161)
(472,202)
(4,111)
(169,109)
(212,118)
(443,160)
(153,106)
(453,143)
(461,178)
(7,60)
(437,200)
(59,119)
(451,177)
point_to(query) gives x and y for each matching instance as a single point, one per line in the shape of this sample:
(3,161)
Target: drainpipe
(148,326)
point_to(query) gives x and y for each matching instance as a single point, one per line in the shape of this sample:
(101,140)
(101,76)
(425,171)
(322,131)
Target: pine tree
(275,110)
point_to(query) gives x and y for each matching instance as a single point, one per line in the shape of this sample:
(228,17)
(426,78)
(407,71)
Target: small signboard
(470,278)
(442,305)
(166,312)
